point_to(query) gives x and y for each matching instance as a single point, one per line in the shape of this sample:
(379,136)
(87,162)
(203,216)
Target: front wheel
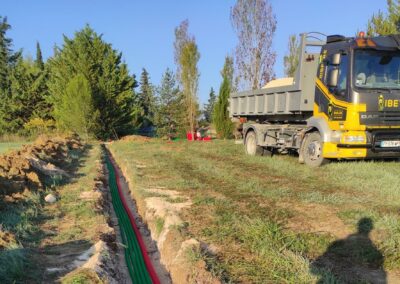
(312,150)
(251,146)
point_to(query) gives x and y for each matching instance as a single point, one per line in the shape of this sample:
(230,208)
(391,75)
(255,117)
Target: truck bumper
(372,149)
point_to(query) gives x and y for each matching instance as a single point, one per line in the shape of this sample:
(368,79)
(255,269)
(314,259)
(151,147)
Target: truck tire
(312,150)
(251,146)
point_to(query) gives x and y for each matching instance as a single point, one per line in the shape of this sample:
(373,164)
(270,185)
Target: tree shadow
(354,259)
(42,265)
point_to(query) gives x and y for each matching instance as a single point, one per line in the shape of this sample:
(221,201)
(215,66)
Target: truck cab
(343,103)
(357,93)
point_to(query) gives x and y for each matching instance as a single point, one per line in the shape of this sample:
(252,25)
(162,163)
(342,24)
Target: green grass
(243,205)
(159,225)
(8,146)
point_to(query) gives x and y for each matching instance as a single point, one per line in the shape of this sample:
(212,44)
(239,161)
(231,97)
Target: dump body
(290,100)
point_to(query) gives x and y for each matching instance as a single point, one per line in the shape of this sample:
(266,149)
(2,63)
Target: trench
(139,264)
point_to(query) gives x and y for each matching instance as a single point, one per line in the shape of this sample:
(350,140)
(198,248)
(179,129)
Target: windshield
(377,69)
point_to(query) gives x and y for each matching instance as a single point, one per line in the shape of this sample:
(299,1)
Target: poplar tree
(186,58)
(291,59)
(254,23)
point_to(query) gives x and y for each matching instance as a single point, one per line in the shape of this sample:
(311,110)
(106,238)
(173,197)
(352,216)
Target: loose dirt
(38,167)
(316,218)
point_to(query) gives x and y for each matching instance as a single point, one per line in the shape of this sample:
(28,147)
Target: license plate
(389,144)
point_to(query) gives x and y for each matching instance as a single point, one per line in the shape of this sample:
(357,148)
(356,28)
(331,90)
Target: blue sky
(144,30)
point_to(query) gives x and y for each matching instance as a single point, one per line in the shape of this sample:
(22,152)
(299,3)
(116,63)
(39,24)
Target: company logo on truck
(380,102)
(387,103)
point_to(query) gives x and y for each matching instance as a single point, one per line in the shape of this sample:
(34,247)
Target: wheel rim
(250,145)
(314,150)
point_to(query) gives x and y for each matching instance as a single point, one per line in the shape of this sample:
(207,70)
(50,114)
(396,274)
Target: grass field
(7,146)
(274,220)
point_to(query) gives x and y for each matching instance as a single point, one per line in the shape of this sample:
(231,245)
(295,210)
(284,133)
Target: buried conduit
(139,264)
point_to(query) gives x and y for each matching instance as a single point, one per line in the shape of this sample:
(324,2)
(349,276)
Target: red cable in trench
(149,265)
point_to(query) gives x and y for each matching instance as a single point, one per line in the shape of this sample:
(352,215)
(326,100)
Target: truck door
(332,91)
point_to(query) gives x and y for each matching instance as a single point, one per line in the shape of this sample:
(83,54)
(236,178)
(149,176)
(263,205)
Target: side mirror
(335,59)
(333,77)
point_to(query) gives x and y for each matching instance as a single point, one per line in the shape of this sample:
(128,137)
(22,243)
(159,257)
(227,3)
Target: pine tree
(291,59)
(8,60)
(209,107)
(75,110)
(39,58)
(111,85)
(168,108)
(385,24)
(221,120)
(145,100)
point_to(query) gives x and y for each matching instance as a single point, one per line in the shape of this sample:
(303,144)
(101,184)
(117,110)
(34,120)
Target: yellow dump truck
(343,102)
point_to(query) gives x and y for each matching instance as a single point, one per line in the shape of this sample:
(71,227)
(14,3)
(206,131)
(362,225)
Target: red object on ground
(149,265)
(189,137)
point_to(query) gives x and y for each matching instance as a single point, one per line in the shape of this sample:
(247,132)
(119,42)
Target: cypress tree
(145,100)
(385,24)
(8,60)
(27,97)
(222,123)
(5,54)
(111,85)
(39,58)
(209,107)
(75,110)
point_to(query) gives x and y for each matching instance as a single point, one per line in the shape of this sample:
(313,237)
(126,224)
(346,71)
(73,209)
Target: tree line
(86,87)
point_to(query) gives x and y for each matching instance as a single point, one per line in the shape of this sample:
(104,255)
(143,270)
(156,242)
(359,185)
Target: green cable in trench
(133,254)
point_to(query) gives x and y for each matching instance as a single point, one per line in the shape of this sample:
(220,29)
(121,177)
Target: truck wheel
(251,146)
(312,150)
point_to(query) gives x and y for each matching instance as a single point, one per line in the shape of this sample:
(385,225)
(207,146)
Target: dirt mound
(27,169)
(137,138)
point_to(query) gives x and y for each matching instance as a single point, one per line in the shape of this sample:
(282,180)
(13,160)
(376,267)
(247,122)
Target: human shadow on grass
(354,259)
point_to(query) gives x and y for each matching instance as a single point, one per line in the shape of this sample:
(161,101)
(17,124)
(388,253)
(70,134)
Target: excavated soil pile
(33,165)
(137,138)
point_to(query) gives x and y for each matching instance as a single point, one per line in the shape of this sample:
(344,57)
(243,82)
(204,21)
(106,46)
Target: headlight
(353,139)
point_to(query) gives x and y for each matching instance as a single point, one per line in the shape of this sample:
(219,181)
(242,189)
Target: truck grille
(380,118)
